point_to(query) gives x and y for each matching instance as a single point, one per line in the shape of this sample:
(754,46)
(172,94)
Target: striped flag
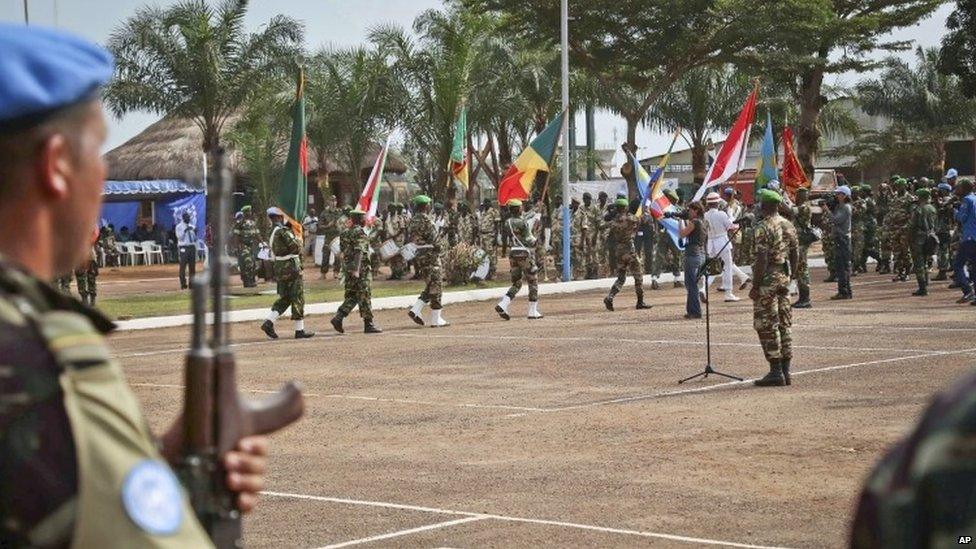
(369,199)
(458,167)
(731,156)
(518,180)
(793,176)
(653,198)
(766,169)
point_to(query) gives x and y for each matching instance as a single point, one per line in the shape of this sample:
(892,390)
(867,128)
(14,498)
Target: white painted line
(405,532)
(563,524)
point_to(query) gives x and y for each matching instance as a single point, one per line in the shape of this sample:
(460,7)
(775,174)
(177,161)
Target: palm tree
(354,101)
(925,105)
(197,61)
(437,71)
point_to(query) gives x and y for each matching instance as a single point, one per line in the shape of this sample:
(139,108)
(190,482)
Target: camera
(676,215)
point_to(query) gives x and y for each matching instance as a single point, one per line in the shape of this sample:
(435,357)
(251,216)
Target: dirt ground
(572,431)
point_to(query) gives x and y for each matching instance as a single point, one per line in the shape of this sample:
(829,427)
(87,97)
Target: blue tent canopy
(170,198)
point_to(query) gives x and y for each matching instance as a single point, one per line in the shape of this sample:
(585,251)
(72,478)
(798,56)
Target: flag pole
(564,25)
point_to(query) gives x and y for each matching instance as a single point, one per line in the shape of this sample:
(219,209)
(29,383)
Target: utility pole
(564,18)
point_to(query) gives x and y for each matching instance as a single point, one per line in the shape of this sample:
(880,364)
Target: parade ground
(572,431)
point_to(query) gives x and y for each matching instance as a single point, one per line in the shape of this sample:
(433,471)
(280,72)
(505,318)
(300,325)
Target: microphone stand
(703,271)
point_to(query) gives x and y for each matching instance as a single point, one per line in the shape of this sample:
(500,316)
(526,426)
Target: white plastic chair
(152,250)
(123,255)
(134,252)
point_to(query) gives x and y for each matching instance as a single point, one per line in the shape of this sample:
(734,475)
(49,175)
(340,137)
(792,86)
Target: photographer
(692,229)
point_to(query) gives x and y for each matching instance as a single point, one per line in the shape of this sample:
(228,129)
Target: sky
(346,23)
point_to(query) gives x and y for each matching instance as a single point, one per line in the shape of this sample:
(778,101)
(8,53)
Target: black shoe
(268,328)
(608,303)
(501,312)
(337,324)
(785,366)
(802,304)
(920,292)
(655,285)
(954,286)
(679,284)
(839,297)
(302,334)
(774,378)
(692,317)
(371,328)
(642,305)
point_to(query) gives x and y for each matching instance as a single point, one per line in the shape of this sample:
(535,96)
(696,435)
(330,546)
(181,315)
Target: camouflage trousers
(920,263)
(745,254)
(772,317)
(943,253)
(64,284)
(885,245)
(430,270)
(87,280)
(524,269)
(667,258)
(857,249)
(629,264)
(247,266)
(828,250)
(291,293)
(901,249)
(578,260)
(359,292)
(803,269)
(600,263)
(488,244)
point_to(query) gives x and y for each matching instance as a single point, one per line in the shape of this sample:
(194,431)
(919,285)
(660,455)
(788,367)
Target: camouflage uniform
(423,232)
(64,284)
(922,224)
(488,233)
(523,268)
(453,229)
(803,224)
(108,241)
(579,243)
(745,253)
(898,221)
(870,234)
(247,235)
(827,243)
(396,228)
(557,240)
(622,230)
(884,238)
(594,246)
(287,251)
(772,317)
(355,246)
(86,278)
(944,222)
(920,493)
(858,220)
(329,227)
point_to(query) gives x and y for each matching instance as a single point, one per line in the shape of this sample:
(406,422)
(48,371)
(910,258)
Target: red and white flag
(370,198)
(732,156)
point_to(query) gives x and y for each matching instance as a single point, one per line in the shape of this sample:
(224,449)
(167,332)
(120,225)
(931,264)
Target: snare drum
(388,250)
(335,246)
(484,265)
(408,252)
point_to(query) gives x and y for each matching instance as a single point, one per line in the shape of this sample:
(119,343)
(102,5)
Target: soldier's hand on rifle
(245,467)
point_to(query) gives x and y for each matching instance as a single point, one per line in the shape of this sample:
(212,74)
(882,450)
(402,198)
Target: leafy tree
(197,61)
(354,100)
(925,105)
(959,46)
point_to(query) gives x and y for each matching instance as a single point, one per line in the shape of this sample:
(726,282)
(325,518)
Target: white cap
(713,198)
(952,173)
(275,210)
(773,185)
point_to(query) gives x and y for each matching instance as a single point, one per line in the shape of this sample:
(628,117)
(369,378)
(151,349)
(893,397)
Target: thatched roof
(172,148)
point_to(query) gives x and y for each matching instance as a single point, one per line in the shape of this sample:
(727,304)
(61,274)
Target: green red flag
(458,167)
(518,180)
(792,177)
(293,188)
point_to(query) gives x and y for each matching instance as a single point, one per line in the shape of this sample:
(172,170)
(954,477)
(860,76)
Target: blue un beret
(44,71)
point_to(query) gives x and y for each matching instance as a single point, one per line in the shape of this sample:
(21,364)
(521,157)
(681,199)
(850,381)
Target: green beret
(421,200)
(767,196)
(901,182)
(621,202)
(514,203)
(246,209)
(923,193)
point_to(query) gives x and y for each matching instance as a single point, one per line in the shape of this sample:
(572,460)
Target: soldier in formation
(898,220)
(489,220)
(521,256)
(357,272)
(922,226)
(806,236)
(425,235)
(777,255)
(329,226)
(395,227)
(286,250)
(248,237)
(944,222)
(579,234)
(623,227)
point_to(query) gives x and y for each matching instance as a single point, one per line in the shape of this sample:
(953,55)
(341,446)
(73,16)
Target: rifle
(215,415)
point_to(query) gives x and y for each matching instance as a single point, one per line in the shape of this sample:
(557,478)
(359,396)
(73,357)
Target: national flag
(458,166)
(650,188)
(293,188)
(766,169)
(731,156)
(518,180)
(370,197)
(793,176)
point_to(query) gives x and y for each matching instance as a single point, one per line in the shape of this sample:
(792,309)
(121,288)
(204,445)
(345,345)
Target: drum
(484,265)
(408,252)
(335,246)
(317,249)
(388,250)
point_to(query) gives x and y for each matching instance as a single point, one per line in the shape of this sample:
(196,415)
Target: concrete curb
(400,302)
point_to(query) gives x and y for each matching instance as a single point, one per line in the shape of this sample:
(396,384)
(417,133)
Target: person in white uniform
(719,226)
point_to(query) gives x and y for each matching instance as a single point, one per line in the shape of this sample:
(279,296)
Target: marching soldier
(425,235)
(922,227)
(247,234)
(777,255)
(944,222)
(86,277)
(898,222)
(79,465)
(488,221)
(286,250)
(803,224)
(329,227)
(623,227)
(579,232)
(523,261)
(357,274)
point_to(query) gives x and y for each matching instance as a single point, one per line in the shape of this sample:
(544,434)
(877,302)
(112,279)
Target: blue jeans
(692,264)
(965,255)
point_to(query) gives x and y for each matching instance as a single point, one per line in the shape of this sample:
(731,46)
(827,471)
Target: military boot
(608,302)
(885,267)
(302,334)
(775,376)
(922,289)
(804,301)
(641,304)
(337,324)
(785,366)
(268,329)
(655,285)
(370,328)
